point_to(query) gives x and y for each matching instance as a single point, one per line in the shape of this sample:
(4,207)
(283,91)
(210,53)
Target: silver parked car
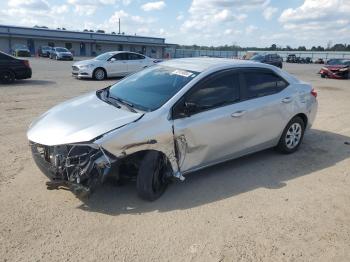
(60,53)
(111,64)
(171,119)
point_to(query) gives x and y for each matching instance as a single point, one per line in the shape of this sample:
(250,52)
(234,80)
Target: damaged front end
(79,167)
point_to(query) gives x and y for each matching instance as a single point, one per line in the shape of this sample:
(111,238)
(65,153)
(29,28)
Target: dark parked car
(12,68)
(319,61)
(61,53)
(44,51)
(292,58)
(271,59)
(20,50)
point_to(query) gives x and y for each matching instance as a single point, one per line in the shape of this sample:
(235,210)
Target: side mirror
(113,59)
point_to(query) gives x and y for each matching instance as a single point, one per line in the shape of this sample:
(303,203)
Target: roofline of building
(77,39)
(80,32)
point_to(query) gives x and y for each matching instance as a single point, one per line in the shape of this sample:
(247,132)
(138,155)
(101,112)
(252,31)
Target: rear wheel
(7,77)
(99,74)
(152,178)
(292,136)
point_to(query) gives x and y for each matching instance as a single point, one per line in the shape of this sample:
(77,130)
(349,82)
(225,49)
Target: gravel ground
(263,207)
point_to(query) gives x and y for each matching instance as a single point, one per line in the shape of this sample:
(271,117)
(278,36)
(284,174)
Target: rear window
(263,83)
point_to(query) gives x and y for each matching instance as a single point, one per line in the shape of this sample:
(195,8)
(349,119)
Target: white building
(80,43)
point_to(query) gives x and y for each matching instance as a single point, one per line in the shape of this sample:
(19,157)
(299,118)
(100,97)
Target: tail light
(26,63)
(313,92)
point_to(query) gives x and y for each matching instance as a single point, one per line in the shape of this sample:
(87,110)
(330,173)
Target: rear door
(117,66)
(136,62)
(269,103)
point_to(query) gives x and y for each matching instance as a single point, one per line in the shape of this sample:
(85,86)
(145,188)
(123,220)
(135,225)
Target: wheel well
(129,164)
(8,70)
(303,117)
(100,68)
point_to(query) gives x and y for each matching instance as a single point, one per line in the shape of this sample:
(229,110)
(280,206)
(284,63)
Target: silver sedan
(111,64)
(169,120)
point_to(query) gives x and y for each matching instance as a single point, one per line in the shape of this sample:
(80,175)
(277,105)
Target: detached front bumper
(79,168)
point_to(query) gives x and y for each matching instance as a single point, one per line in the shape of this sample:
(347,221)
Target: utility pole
(119,26)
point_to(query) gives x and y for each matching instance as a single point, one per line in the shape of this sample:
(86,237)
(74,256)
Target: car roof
(201,64)
(119,52)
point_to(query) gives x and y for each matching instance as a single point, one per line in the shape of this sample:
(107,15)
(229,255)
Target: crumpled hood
(78,120)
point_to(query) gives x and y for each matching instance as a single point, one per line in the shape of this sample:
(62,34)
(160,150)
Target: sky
(258,23)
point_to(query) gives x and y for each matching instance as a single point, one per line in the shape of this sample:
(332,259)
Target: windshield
(150,88)
(257,58)
(46,48)
(338,62)
(61,49)
(19,46)
(103,57)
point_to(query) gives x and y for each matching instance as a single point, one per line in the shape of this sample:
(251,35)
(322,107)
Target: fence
(180,53)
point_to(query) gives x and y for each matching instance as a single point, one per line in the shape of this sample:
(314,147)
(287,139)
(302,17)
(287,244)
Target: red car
(336,69)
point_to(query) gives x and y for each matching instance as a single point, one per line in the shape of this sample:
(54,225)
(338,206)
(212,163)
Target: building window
(52,44)
(69,46)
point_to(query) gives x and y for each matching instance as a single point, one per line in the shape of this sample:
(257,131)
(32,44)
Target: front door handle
(287,100)
(238,113)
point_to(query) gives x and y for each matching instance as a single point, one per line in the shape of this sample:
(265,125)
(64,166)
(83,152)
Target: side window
(263,83)
(135,56)
(219,91)
(121,56)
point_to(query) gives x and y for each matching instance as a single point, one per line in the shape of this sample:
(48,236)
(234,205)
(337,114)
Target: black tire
(97,74)
(323,76)
(283,145)
(7,77)
(152,179)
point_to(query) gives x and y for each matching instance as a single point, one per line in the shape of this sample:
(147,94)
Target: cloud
(269,12)
(151,6)
(250,29)
(29,4)
(316,19)
(89,7)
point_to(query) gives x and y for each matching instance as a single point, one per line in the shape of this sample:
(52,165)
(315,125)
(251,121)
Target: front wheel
(152,178)
(292,136)
(99,74)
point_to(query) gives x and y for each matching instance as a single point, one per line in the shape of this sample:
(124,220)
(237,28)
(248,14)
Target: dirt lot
(264,207)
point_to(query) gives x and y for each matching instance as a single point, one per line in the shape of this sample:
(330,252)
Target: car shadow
(30,82)
(266,169)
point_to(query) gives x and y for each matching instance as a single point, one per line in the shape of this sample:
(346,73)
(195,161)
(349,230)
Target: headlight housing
(344,69)
(86,66)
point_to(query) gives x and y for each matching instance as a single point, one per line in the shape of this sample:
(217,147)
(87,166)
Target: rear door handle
(287,100)
(238,113)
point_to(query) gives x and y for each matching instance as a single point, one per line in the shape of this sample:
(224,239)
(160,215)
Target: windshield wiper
(127,104)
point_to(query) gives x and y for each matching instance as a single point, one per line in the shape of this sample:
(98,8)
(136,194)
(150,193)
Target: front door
(214,126)
(117,65)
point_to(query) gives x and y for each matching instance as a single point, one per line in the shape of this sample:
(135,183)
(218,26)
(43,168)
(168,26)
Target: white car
(111,64)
